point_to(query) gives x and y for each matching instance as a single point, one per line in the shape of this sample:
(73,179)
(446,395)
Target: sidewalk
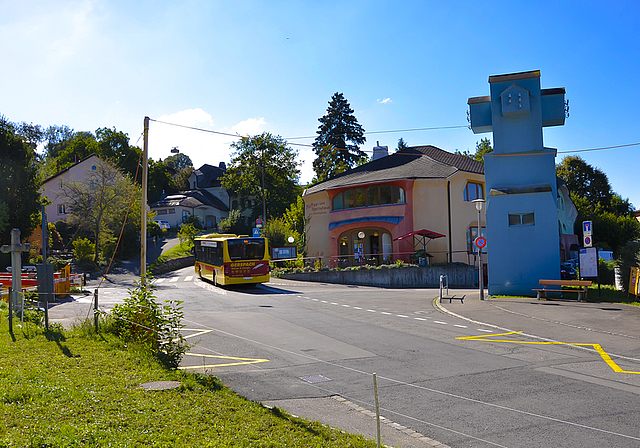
(614,324)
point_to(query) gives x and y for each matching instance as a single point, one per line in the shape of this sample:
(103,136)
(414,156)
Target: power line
(433,128)
(603,148)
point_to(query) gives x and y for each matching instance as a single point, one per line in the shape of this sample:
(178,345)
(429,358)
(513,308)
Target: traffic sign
(258,223)
(256,232)
(587,228)
(587,241)
(480,242)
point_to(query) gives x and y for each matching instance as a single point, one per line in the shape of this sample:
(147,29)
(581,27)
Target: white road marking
(419,318)
(174,279)
(188,278)
(385,313)
(160,280)
(401,315)
(460,326)
(439,322)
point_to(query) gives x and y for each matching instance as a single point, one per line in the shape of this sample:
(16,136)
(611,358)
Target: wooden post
(11,310)
(375,389)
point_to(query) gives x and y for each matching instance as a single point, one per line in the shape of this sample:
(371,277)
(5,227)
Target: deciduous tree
(98,202)
(19,196)
(268,154)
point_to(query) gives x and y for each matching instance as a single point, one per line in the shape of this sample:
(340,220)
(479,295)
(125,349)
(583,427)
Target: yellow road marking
(199,332)
(597,347)
(240,361)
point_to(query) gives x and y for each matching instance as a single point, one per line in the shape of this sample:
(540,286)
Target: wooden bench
(558,284)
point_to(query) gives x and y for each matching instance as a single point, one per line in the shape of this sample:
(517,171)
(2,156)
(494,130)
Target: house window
(385,194)
(473,191)
(348,199)
(172,211)
(161,212)
(337,202)
(369,197)
(521,219)
(185,215)
(374,196)
(398,195)
(360,200)
(61,209)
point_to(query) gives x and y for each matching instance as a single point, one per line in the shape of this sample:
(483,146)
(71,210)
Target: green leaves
(156,327)
(267,157)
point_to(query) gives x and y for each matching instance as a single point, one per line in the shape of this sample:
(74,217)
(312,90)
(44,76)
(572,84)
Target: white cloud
(251,126)
(385,101)
(201,146)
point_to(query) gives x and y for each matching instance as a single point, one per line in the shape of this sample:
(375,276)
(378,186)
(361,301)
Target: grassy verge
(608,293)
(78,389)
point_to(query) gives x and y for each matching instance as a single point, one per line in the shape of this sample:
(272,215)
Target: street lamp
(479,203)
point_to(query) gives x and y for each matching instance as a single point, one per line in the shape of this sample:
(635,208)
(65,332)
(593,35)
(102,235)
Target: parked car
(164,225)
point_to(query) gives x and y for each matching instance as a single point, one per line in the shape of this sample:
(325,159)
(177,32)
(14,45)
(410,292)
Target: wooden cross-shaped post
(16,250)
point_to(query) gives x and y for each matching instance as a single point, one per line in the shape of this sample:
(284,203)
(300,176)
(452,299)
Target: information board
(589,262)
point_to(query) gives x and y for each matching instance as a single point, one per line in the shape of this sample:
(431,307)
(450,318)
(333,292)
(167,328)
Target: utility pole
(264,197)
(143,211)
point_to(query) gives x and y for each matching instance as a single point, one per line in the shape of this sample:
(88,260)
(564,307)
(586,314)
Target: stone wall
(459,275)
(173,264)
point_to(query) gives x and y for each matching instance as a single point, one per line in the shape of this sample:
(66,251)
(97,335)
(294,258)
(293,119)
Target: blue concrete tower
(520,176)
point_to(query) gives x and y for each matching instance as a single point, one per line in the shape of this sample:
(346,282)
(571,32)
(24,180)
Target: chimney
(222,166)
(380,151)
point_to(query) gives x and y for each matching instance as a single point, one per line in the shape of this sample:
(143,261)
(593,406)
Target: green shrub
(83,250)
(187,234)
(141,319)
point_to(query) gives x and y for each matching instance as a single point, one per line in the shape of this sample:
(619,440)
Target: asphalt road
(505,373)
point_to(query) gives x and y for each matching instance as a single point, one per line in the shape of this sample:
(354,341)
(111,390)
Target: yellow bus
(226,259)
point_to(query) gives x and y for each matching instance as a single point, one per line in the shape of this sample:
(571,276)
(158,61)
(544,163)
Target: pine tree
(338,140)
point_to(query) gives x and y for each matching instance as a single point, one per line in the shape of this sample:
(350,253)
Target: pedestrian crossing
(188,278)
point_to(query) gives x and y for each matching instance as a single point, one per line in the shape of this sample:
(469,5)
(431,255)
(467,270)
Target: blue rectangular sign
(587,227)
(256,232)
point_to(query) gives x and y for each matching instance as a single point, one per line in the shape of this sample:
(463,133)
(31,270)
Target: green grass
(608,293)
(177,251)
(78,389)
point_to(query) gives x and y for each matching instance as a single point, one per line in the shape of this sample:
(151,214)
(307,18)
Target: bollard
(95,309)
(444,283)
(10,310)
(375,389)
(46,315)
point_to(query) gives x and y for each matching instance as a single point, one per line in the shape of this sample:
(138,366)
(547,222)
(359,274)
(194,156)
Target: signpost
(590,256)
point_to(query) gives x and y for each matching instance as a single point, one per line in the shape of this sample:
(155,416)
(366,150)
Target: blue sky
(251,66)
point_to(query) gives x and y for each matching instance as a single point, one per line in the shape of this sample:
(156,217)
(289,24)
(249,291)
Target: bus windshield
(246,249)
